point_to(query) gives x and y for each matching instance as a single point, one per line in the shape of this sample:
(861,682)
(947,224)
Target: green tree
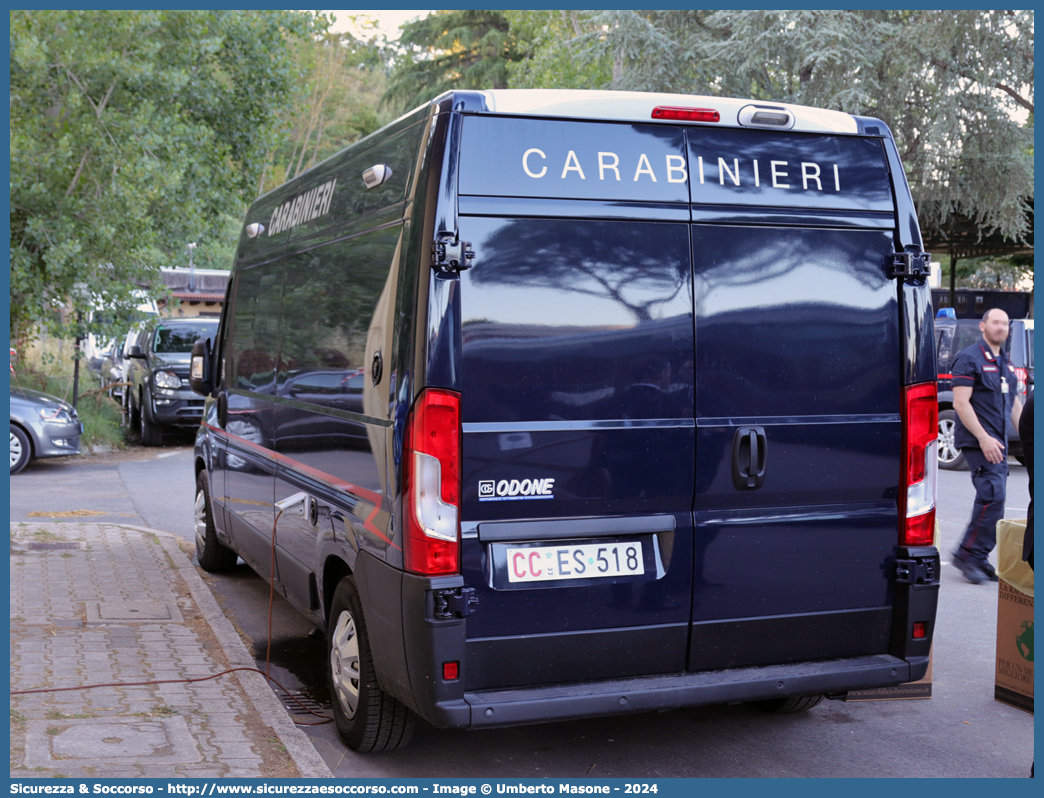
(447,50)
(132,134)
(552,52)
(340,83)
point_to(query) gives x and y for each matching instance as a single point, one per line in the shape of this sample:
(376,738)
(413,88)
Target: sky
(388,22)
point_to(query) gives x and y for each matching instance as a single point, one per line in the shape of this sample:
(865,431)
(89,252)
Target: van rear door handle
(749,457)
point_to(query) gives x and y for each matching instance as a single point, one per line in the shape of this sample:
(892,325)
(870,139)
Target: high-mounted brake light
(686,114)
(431,484)
(917,488)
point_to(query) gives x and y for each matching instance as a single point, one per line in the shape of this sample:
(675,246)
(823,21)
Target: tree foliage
(446,50)
(340,83)
(132,134)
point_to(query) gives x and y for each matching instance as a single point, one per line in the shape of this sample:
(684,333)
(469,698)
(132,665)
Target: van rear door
(577,386)
(691,324)
(797,365)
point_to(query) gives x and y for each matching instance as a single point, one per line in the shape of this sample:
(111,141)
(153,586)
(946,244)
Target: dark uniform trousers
(990,481)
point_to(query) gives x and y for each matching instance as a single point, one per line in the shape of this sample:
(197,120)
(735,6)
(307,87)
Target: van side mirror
(135,351)
(200,371)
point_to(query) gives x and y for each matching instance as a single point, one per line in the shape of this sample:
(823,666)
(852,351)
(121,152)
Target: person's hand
(993,449)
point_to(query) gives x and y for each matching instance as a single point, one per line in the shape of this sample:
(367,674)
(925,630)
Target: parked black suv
(159,395)
(953,335)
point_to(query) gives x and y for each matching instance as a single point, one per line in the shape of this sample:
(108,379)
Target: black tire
(212,554)
(1021,460)
(21,449)
(950,457)
(151,434)
(367,718)
(788,706)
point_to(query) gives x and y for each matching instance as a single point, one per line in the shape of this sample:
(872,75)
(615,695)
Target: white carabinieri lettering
(604,164)
(723,169)
(731,173)
(303,208)
(644,168)
(525,162)
(572,165)
(778,175)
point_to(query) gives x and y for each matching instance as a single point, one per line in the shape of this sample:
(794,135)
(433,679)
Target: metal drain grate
(297,703)
(60,546)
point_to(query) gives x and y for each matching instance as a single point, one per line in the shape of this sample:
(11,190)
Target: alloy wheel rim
(199,520)
(16,450)
(947,449)
(344,664)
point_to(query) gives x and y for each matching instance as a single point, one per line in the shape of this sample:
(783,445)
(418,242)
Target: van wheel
(212,554)
(367,718)
(151,434)
(788,706)
(950,457)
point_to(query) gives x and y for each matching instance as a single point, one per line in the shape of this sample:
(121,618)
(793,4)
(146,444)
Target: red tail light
(920,465)
(1021,374)
(686,114)
(431,484)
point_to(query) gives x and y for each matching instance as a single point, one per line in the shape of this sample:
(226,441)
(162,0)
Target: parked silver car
(112,371)
(41,426)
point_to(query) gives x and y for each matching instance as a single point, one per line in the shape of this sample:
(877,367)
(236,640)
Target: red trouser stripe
(975,529)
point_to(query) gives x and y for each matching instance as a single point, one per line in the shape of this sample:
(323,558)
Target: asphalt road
(960,732)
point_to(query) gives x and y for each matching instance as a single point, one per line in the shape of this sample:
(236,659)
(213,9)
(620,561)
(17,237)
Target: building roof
(964,237)
(197,296)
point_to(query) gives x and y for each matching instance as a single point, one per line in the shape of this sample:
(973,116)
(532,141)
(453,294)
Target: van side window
(252,355)
(331,293)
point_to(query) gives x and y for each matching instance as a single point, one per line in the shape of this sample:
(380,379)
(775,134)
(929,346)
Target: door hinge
(916,572)
(452,603)
(910,265)
(451,255)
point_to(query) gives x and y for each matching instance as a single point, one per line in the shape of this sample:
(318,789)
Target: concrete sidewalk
(103,603)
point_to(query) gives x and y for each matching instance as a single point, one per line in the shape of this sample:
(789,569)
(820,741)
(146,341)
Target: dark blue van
(550,405)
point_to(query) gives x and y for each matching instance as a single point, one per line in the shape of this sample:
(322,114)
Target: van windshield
(172,340)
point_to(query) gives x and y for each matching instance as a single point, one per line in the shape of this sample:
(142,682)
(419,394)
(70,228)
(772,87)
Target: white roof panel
(636,106)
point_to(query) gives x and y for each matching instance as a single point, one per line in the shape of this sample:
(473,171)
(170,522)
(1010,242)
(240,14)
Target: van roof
(637,106)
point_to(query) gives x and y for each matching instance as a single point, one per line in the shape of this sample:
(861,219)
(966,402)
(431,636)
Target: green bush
(101,416)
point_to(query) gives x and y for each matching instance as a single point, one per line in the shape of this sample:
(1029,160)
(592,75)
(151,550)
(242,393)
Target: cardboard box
(1014,680)
(1013,683)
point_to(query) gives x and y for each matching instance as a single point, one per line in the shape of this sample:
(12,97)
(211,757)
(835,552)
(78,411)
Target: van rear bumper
(649,693)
